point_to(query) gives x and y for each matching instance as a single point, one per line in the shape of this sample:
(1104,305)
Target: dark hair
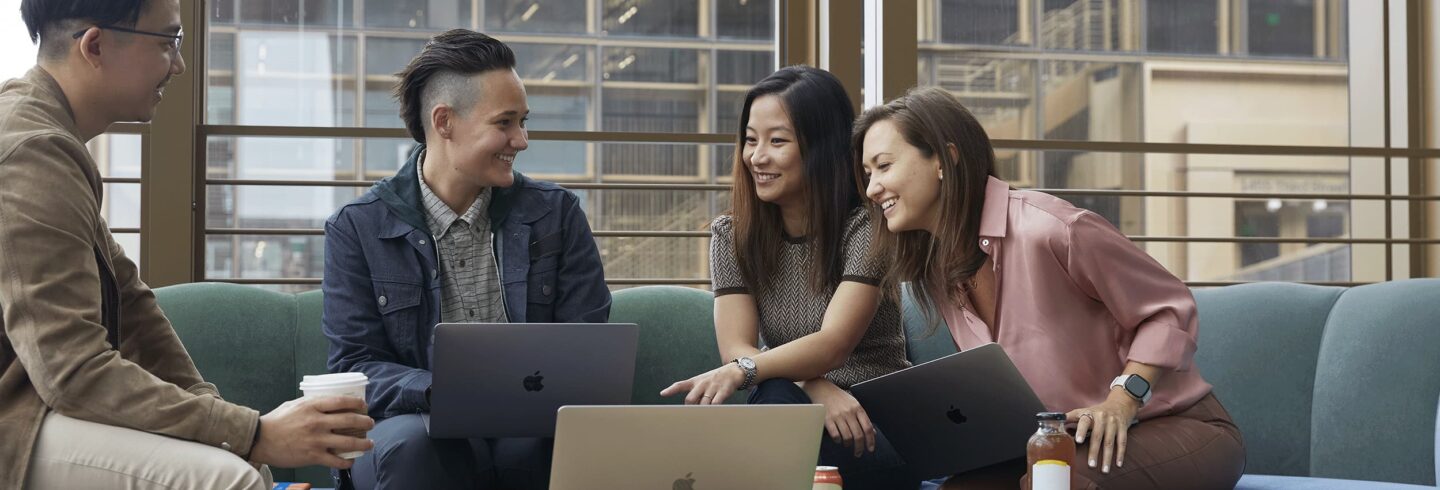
(44,17)
(457,51)
(821,113)
(932,120)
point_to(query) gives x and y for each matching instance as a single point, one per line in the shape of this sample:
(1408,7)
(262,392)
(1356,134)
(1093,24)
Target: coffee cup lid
(336,380)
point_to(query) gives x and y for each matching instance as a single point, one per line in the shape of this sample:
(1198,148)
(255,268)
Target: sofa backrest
(1328,382)
(1259,345)
(1376,385)
(677,337)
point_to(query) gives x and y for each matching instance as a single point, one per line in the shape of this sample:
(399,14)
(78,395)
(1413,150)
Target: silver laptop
(961,412)
(508,379)
(687,447)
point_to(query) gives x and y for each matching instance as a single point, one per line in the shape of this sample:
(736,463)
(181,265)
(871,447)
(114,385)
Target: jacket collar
(401,194)
(60,110)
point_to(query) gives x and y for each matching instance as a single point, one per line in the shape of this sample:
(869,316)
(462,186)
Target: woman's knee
(777,391)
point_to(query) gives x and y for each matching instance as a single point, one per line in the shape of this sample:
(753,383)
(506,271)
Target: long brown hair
(933,121)
(821,114)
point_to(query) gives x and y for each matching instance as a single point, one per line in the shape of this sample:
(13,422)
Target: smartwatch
(1134,385)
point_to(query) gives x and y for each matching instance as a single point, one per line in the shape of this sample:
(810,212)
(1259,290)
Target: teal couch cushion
(677,337)
(1378,377)
(926,336)
(1259,345)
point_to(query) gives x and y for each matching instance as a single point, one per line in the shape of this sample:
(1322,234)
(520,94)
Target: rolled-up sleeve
(1145,298)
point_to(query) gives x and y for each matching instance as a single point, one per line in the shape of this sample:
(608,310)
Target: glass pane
(1282,27)
(745,19)
(980,22)
(285,79)
(652,65)
(382,110)
(291,12)
(550,16)
(121,208)
(425,15)
(550,62)
(130,243)
(1088,25)
(743,67)
(1182,26)
(651,110)
(117,154)
(651,18)
(1000,92)
(287,207)
(387,56)
(650,160)
(264,256)
(311,159)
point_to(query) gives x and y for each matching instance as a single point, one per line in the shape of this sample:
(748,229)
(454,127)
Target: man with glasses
(96,390)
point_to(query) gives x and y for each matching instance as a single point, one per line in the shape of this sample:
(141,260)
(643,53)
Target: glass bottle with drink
(827,478)
(1050,452)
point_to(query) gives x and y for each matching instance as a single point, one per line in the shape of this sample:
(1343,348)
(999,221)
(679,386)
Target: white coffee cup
(338,384)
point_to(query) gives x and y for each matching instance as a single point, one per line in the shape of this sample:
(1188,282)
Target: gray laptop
(508,379)
(691,447)
(957,413)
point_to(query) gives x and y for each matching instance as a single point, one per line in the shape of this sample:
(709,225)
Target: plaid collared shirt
(469,280)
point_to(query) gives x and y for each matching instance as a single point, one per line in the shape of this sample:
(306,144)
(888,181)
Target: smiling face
(136,69)
(902,180)
(772,153)
(482,142)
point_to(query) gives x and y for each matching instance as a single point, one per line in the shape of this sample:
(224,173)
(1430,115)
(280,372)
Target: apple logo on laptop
(686,483)
(533,382)
(955,416)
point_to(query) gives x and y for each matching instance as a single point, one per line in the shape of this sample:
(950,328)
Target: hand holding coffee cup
(315,428)
(338,384)
(301,433)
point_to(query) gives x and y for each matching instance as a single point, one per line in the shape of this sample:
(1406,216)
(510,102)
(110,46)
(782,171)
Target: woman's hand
(708,388)
(1110,423)
(845,419)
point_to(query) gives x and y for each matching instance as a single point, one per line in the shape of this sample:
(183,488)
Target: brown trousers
(1198,448)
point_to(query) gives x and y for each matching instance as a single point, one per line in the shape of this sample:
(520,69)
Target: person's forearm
(804,358)
(1152,375)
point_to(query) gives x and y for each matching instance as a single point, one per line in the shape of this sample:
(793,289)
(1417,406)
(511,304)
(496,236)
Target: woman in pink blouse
(1098,328)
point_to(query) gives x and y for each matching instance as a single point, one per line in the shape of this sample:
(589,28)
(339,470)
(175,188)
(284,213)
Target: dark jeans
(882,469)
(406,457)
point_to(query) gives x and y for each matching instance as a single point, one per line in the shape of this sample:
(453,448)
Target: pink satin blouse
(1076,300)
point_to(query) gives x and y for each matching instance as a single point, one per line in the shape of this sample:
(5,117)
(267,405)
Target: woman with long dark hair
(792,266)
(1098,328)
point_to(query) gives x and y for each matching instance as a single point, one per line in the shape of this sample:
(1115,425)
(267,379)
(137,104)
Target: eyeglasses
(175,39)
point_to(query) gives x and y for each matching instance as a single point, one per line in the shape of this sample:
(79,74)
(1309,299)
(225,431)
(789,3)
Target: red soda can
(827,478)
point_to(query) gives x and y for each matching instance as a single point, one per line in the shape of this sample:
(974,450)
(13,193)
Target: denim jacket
(382,290)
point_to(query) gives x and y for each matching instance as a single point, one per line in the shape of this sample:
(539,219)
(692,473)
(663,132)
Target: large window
(592,67)
(1218,77)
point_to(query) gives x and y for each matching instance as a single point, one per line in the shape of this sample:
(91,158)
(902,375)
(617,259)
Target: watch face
(1137,386)
(747,363)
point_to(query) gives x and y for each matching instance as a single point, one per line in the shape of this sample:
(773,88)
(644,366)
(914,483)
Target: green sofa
(1325,383)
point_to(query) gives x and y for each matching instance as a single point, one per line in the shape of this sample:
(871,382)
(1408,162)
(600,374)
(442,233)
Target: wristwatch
(747,366)
(1134,385)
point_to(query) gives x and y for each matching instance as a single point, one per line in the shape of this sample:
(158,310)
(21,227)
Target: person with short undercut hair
(456,236)
(96,390)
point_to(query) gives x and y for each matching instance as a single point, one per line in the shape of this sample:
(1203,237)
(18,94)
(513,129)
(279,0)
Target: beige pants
(75,454)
